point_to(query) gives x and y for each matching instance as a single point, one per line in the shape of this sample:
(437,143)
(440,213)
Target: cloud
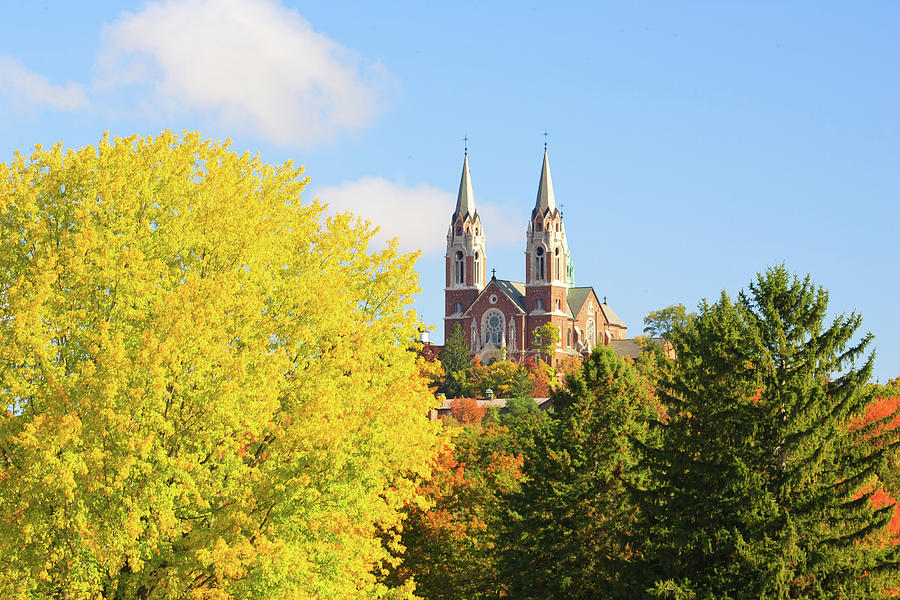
(253,64)
(417,216)
(23,87)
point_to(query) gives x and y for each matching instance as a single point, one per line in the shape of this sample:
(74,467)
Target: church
(499,316)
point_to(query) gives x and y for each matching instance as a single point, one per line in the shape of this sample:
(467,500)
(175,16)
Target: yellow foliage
(209,387)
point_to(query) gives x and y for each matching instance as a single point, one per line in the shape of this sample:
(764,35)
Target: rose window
(493,327)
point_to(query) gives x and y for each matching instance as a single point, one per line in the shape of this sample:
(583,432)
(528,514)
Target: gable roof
(514,290)
(576,297)
(611,317)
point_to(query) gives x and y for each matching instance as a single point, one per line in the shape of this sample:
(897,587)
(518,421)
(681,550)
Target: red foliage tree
(541,374)
(886,410)
(467,410)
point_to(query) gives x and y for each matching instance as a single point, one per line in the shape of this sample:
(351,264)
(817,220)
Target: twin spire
(546,199)
(465,201)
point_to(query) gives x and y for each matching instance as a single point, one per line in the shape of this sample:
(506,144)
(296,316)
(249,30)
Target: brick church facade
(499,316)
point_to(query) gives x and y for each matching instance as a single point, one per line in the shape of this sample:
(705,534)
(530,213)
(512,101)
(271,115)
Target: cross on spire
(545,140)
(466,142)
(493,274)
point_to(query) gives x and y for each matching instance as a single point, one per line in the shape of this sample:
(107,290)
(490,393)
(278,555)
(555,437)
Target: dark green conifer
(760,489)
(455,358)
(569,533)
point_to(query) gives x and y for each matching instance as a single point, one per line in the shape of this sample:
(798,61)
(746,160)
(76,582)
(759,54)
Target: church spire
(546,199)
(465,201)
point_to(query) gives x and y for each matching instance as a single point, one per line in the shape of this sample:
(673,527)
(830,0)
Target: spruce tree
(455,358)
(759,487)
(570,529)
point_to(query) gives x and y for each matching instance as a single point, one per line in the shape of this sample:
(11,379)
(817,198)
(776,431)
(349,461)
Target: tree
(516,409)
(467,410)
(452,544)
(506,379)
(884,414)
(651,360)
(456,358)
(209,387)
(759,488)
(570,531)
(543,376)
(545,338)
(662,322)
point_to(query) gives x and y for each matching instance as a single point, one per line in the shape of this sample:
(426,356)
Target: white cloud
(26,88)
(253,64)
(417,216)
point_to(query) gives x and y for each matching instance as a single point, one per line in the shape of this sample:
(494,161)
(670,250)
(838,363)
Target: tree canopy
(569,532)
(760,488)
(455,358)
(662,322)
(545,338)
(208,384)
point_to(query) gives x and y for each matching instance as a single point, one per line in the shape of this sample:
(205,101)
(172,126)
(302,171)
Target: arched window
(539,304)
(557,272)
(458,230)
(539,271)
(457,308)
(492,325)
(538,226)
(460,268)
(477,269)
(558,305)
(569,339)
(590,333)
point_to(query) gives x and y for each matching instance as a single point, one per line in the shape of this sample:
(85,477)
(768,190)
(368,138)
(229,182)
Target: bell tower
(465,258)
(547,261)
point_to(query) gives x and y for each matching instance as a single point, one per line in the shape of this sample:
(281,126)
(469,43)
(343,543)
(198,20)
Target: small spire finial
(466,142)
(604,299)
(493,274)
(545,140)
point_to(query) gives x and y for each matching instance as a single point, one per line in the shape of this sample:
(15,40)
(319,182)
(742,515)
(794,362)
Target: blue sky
(692,144)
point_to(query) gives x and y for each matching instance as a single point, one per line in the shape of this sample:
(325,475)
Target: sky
(692,144)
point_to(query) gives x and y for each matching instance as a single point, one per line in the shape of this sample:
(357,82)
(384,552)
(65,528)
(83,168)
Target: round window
(493,299)
(492,327)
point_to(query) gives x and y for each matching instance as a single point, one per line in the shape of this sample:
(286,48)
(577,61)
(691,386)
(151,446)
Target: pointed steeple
(546,199)
(465,201)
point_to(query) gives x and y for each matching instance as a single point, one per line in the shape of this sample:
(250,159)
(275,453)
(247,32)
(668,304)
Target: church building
(499,316)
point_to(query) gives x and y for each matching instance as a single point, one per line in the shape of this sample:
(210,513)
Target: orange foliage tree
(451,543)
(467,410)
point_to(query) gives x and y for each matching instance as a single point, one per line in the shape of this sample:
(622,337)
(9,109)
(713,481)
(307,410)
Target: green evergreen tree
(455,358)
(569,533)
(759,488)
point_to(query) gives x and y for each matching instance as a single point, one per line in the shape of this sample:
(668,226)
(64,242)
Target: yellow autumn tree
(208,385)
